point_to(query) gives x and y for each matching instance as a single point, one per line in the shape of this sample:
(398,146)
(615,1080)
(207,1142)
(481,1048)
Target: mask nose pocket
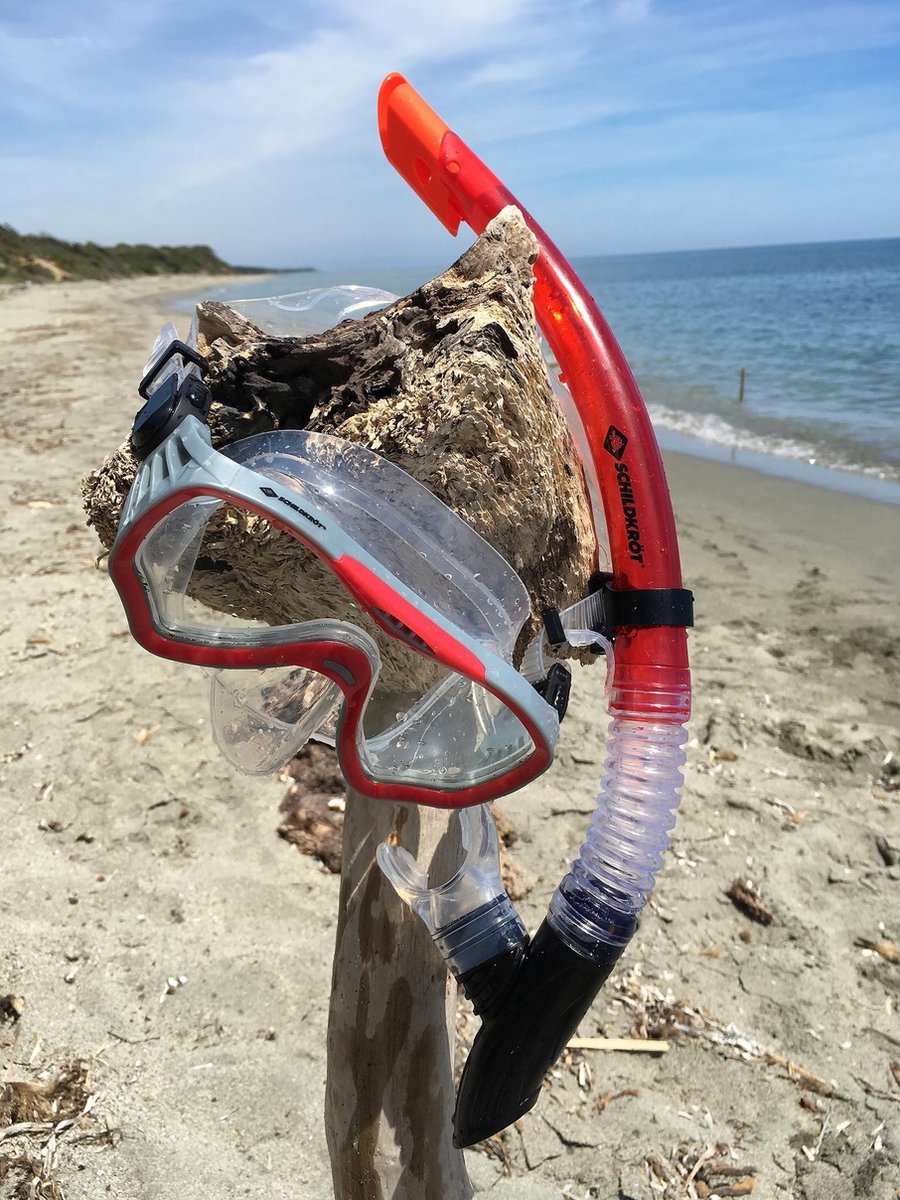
(262,718)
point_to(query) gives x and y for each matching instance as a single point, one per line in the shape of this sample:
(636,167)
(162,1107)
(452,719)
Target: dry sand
(133,855)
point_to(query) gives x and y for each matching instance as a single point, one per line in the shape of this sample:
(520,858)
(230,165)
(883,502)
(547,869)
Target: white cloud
(315,93)
(629,11)
(510,70)
(64,57)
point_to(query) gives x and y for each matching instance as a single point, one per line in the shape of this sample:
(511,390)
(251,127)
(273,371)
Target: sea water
(815,327)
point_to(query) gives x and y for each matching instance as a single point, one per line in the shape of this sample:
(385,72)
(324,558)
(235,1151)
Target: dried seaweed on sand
(693,1172)
(36,1115)
(658,1014)
(744,895)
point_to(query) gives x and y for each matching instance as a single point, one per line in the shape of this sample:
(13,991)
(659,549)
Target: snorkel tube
(531,997)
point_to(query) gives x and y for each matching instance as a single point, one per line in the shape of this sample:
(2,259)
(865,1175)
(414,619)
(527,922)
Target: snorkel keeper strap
(640,608)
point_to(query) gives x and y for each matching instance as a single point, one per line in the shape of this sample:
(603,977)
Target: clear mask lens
(401,524)
(457,734)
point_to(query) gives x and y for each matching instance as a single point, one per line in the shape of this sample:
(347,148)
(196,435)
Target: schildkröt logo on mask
(273,495)
(615,444)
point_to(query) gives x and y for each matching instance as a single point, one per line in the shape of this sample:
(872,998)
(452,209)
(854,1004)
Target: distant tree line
(40,258)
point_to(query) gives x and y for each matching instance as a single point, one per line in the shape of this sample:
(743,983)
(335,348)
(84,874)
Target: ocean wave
(713,429)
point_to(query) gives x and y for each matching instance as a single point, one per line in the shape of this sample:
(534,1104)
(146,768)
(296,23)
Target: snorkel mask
(417,569)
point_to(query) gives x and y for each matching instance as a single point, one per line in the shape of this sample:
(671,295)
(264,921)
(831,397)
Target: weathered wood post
(448,383)
(391,1029)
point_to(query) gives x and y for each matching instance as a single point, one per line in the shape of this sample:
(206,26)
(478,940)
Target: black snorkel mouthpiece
(530,995)
(182,393)
(524,1033)
(485,950)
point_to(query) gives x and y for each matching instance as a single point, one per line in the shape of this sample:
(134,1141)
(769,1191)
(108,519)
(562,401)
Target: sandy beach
(157,930)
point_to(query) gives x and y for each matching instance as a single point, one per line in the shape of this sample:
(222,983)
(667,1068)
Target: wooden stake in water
(741,388)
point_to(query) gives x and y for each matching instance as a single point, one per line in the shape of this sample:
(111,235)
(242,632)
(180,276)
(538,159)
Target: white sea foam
(715,430)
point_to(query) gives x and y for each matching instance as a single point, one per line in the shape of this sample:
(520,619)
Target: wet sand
(133,855)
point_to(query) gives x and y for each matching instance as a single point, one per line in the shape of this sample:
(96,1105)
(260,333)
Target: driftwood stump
(450,384)
(391,1025)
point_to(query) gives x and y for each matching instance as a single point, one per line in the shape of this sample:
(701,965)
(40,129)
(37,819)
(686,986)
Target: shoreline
(134,854)
(796,470)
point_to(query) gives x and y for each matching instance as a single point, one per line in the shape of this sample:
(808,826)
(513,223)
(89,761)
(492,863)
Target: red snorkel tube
(530,1008)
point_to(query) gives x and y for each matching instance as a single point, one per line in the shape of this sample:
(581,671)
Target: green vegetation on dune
(40,258)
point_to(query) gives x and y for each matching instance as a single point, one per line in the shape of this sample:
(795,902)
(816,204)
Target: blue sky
(625,126)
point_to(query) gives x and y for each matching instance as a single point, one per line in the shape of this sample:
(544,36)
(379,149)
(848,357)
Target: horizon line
(411,266)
